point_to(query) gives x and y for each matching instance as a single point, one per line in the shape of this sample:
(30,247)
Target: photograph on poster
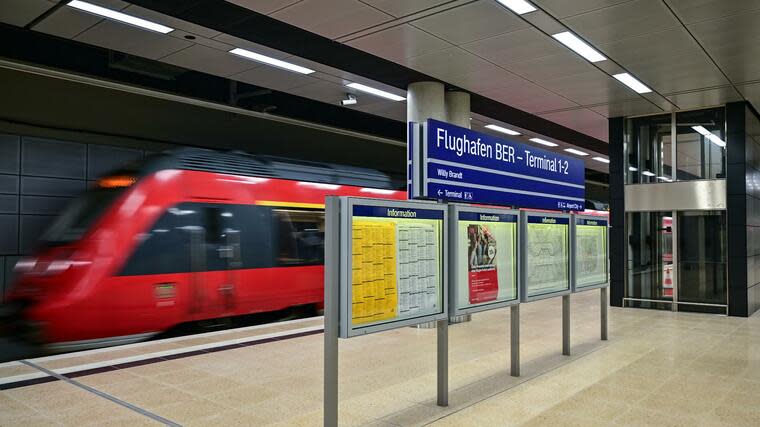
(487,258)
(395,264)
(590,252)
(547,255)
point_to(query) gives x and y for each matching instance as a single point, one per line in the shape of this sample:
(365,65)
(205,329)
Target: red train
(192,235)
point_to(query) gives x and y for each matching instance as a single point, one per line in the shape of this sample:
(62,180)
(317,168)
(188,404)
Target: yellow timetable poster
(395,264)
(374,292)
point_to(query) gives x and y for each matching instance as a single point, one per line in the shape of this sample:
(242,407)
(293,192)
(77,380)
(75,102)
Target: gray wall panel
(31,228)
(2,277)
(10,262)
(8,204)
(9,153)
(32,185)
(52,158)
(8,184)
(8,234)
(102,159)
(42,205)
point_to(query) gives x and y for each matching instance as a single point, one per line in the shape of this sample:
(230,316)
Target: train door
(217,257)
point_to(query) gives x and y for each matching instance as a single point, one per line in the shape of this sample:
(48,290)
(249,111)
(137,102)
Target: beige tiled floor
(658,369)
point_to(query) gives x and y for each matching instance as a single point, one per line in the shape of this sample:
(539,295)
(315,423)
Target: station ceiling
(691,53)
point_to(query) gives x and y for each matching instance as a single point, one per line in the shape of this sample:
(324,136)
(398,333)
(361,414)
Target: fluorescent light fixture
(601,159)
(543,142)
(632,83)
(270,61)
(518,6)
(632,169)
(502,130)
(709,135)
(647,173)
(577,152)
(118,16)
(579,46)
(376,92)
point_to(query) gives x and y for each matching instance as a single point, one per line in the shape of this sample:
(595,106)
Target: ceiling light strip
(519,7)
(576,152)
(377,92)
(632,83)
(501,129)
(118,16)
(543,142)
(578,46)
(270,61)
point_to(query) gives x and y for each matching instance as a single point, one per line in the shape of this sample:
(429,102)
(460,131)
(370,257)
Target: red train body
(174,246)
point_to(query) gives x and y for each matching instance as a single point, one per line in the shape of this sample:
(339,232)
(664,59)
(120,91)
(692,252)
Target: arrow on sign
(440,192)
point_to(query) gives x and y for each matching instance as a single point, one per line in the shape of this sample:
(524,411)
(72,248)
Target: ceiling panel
(399,8)
(733,42)
(209,60)
(752,93)
(471,22)
(400,42)
(632,107)
(389,109)
(529,97)
(565,8)
(254,47)
(322,91)
(624,20)
(170,21)
(582,120)
(331,18)
(129,39)
(22,12)
(705,98)
(562,64)
(593,87)
(263,6)
(485,78)
(447,63)
(691,11)
(67,22)
(515,46)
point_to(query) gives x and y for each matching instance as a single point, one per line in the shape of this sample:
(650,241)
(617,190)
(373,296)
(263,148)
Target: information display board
(483,258)
(591,252)
(457,164)
(546,255)
(392,264)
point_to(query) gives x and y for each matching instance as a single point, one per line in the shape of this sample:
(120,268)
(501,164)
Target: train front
(54,296)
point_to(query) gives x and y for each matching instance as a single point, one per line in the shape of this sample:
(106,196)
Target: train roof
(244,164)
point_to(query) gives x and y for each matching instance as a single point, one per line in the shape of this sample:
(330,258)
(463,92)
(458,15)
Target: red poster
(481,254)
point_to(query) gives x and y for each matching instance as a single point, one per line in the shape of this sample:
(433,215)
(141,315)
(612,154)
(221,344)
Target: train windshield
(79,215)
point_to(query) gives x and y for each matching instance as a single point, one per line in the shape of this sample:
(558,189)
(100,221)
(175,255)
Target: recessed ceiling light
(632,169)
(601,159)
(376,92)
(270,61)
(647,173)
(543,142)
(121,17)
(632,83)
(577,152)
(518,6)
(502,130)
(579,46)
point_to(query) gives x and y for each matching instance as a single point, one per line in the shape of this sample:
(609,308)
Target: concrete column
(458,108)
(425,100)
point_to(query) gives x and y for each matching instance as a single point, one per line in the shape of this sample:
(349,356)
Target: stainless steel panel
(331,18)
(690,11)
(687,195)
(400,42)
(705,98)
(21,12)
(515,46)
(565,8)
(399,8)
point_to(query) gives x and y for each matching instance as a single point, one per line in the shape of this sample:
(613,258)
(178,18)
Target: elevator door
(702,267)
(650,278)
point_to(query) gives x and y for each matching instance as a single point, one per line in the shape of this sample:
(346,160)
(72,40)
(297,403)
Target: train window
(79,215)
(300,236)
(165,248)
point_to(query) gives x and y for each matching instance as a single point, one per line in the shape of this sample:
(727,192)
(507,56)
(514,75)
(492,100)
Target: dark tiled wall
(752,185)
(38,177)
(617,212)
(736,211)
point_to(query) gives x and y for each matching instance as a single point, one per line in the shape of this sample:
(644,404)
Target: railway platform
(272,375)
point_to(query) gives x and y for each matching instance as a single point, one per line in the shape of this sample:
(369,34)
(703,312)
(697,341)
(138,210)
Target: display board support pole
(514,340)
(603,306)
(443,362)
(566,325)
(332,313)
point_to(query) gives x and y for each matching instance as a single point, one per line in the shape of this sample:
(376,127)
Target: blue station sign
(452,163)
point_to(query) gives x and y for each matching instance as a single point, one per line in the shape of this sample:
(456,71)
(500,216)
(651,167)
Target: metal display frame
(347,204)
(525,296)
(454,211)
(574,224)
